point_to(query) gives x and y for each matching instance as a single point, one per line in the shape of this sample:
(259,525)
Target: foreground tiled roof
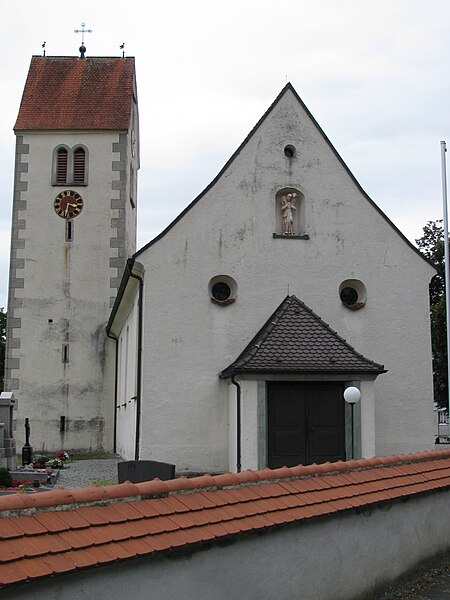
(296,339)
(74,93)
(63,531)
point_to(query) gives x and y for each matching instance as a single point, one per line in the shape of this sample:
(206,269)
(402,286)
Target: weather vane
(43,48)
(82,31)
(122,47)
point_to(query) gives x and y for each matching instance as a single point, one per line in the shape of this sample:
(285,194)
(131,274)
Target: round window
(349,296)
(221,291)
(289,151)
(353,293)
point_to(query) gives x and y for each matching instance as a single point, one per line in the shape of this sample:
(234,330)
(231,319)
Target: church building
(226,342)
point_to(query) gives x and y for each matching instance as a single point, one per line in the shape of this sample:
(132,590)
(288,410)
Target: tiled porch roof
(295,339)
(64,531)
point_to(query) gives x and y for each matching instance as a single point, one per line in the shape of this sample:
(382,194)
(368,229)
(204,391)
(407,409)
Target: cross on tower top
(82,31)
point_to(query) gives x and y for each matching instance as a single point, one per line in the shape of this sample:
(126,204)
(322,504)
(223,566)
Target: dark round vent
(221,291)
(289,151)
(349,296)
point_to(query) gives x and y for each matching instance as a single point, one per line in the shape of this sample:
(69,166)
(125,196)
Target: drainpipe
(238,424)
(139,365)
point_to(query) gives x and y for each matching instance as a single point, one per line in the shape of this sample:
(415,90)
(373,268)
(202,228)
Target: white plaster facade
(187,413)
(65,299)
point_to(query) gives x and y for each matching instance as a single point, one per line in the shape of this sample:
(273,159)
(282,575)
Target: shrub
(5,477)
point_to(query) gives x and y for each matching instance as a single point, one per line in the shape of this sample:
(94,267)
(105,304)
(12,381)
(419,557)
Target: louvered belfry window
(61,168)
(70,165)
(79,165)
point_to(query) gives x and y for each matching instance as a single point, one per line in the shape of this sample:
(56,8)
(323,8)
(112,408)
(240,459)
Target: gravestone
(137,471)
(8,455)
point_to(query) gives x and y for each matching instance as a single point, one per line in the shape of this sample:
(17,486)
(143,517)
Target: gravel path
(84,473)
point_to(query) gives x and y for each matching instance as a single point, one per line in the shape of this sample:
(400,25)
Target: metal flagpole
(446,258)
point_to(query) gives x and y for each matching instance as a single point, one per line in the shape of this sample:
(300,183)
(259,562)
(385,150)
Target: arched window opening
(70,165)
(61,168)
(79,166)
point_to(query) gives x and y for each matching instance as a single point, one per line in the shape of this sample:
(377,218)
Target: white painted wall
(347,556)
(367,411)
(127,384)
(68,283)
(249,434)
(229,231)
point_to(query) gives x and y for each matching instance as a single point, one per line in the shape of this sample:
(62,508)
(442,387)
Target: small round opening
(353,293)
(349,296)
(289,151)
(221,291)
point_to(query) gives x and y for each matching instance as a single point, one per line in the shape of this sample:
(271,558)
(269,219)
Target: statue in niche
(287,210)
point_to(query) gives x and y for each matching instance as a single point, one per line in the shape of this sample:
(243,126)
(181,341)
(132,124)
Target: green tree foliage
(431,244)
(2,347)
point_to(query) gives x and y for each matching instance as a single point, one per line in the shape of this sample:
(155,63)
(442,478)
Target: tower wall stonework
(60,292)
(17,263)
(123,224)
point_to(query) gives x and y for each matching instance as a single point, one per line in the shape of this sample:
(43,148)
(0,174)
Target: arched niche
(290,213)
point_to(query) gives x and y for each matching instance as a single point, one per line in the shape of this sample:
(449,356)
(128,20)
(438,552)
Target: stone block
(137,471)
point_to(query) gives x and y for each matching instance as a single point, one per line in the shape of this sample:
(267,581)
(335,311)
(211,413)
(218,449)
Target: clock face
(68,204)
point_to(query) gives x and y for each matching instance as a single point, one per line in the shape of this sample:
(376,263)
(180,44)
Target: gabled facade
(284,217)
(74,225)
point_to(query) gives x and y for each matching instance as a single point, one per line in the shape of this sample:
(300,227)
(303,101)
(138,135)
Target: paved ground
(433,584)
(84,473)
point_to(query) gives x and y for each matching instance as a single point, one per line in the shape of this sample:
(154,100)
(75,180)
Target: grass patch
(104,482)
(91,456)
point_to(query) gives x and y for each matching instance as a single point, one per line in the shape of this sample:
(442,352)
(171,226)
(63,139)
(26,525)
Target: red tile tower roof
(74,94)
(64,531)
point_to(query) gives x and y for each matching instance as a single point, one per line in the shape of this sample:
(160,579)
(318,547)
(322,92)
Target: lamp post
(352,395)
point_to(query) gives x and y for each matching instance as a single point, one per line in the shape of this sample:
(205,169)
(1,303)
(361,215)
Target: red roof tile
(34,568)
(82,558)
(73,519)
(10,573)
(138,546)
(51,521)
(100,515)
(74,94)
(65,533)
(9,529)
(30,526)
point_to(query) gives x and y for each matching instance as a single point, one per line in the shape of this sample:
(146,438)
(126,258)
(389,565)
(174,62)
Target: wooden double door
(306,423)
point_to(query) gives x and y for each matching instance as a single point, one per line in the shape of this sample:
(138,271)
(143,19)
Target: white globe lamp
(352,395)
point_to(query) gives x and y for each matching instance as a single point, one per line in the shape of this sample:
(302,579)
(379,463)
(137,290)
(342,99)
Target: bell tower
(73,227)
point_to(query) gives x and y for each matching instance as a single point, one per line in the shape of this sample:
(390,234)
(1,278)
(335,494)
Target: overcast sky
(375,74)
